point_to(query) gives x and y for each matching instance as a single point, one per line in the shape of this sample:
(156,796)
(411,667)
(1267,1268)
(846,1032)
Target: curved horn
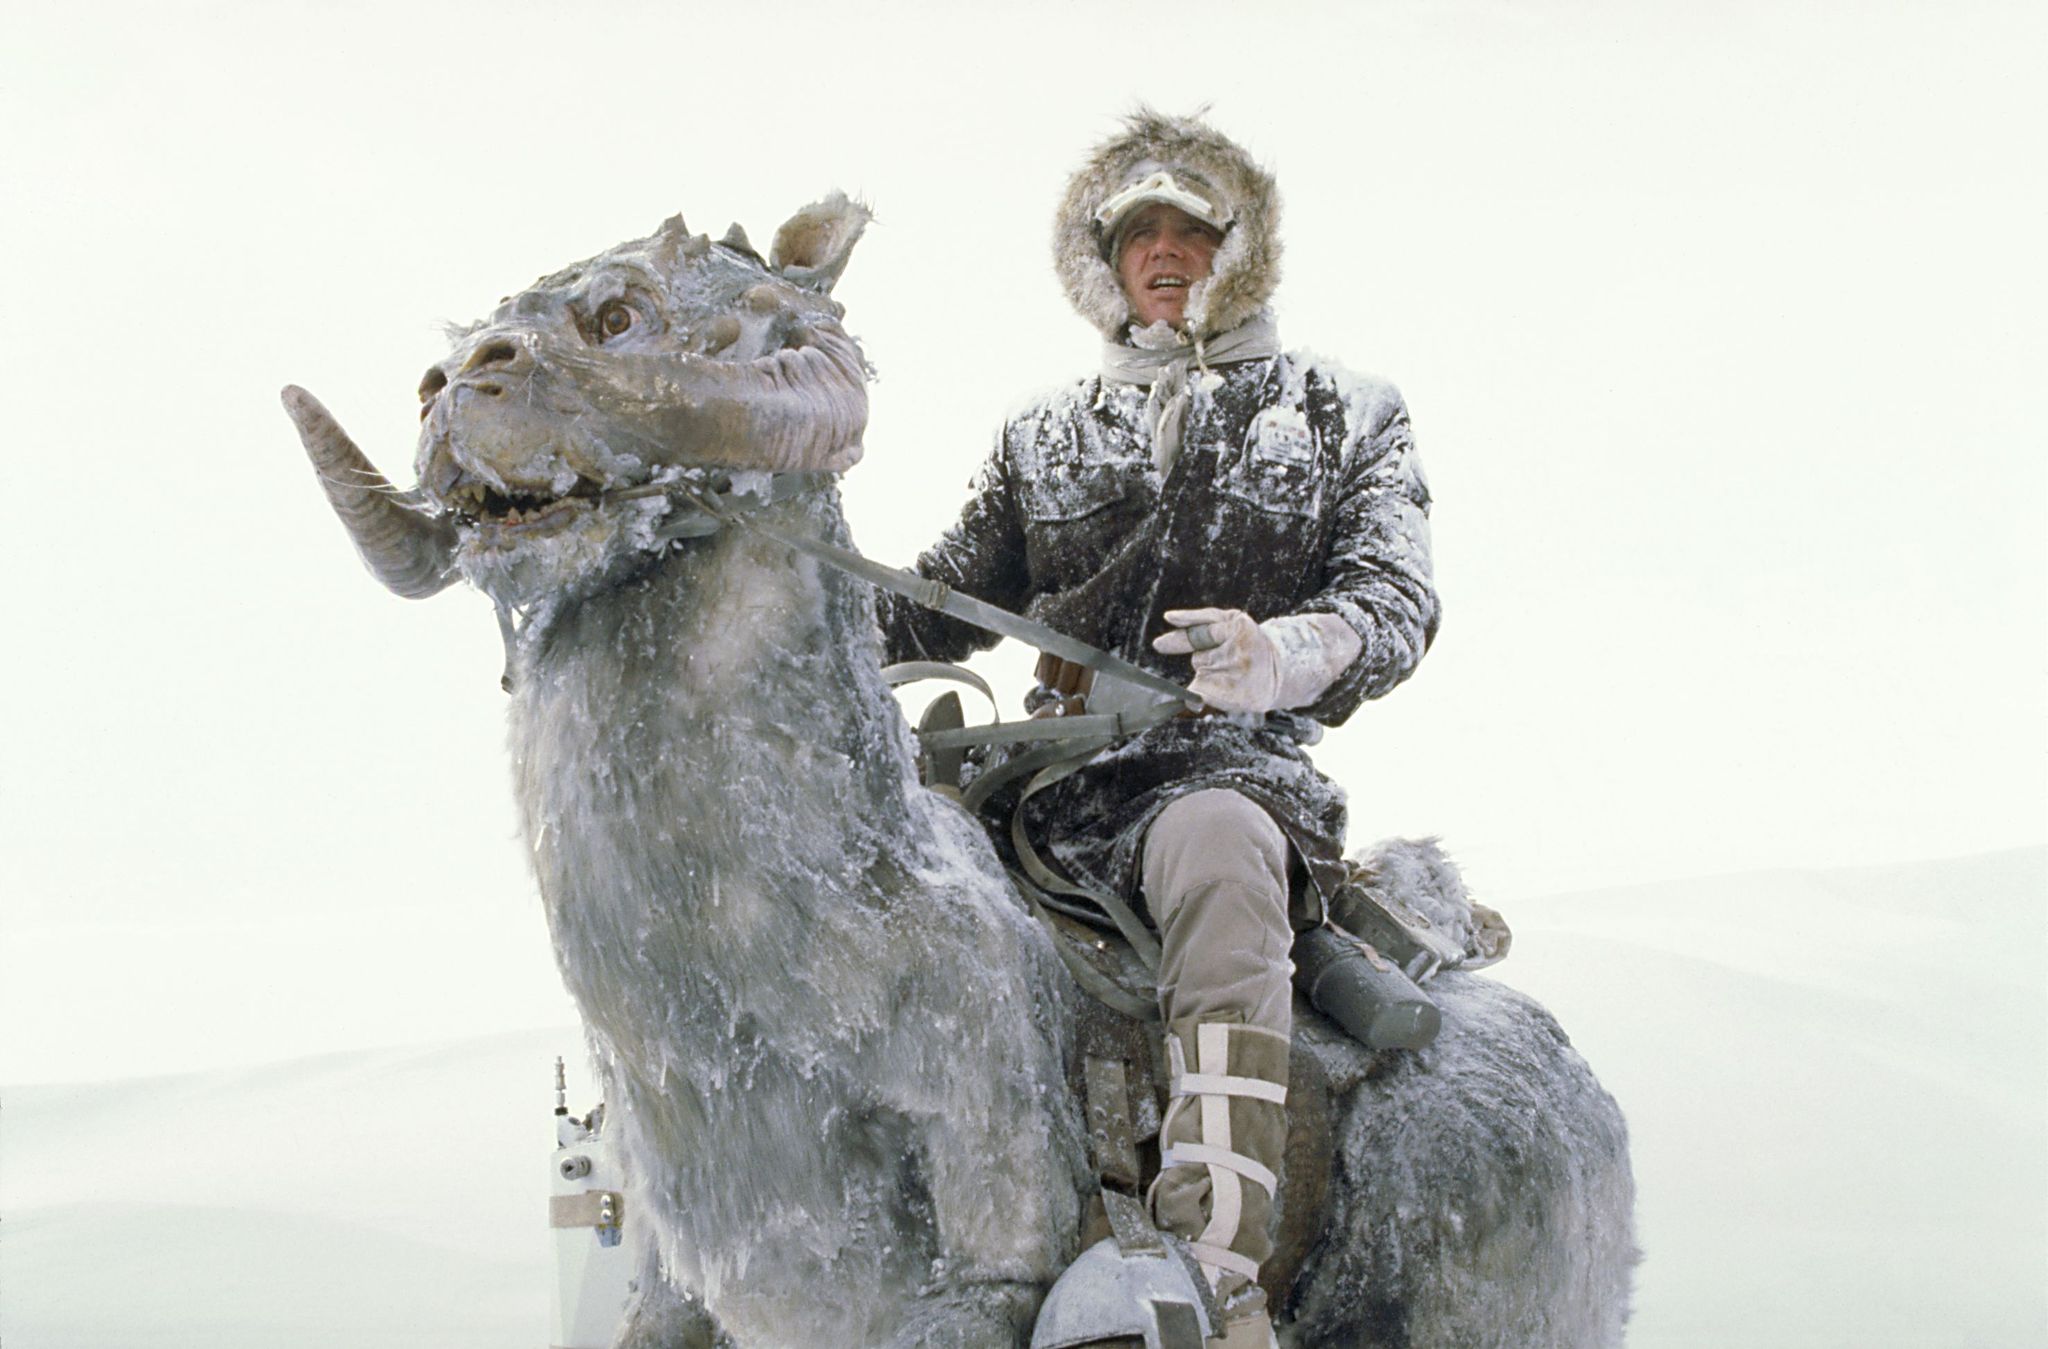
(411,552)
(801,408)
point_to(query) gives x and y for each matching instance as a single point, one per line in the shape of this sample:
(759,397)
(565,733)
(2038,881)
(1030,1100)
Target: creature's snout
(493,411)
(485,366)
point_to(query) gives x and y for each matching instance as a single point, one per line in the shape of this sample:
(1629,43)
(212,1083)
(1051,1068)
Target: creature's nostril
(500,352)
(431,383)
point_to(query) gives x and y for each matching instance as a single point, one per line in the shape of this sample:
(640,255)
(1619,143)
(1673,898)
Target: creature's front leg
(663,1315)
(989,1315)
(1004,1167)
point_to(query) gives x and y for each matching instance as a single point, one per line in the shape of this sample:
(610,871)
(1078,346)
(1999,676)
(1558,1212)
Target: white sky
(1720,326)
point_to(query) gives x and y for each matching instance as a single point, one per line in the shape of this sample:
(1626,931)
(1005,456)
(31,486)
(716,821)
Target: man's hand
(1243,666)
(1237,667)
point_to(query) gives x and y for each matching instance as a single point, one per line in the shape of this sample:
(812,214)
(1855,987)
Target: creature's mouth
(501,517)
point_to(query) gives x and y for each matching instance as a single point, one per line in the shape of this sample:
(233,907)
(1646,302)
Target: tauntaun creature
(836,1040)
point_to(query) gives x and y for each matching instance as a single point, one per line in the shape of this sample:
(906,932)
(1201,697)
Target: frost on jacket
(1297,490)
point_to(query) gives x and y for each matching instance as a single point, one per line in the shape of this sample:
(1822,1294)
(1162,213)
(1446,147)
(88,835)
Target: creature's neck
(717,725)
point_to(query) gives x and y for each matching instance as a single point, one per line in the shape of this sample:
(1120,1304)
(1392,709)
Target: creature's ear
(812,247)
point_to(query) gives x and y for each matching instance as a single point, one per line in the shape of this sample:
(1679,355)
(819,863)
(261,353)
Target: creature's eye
(615,319)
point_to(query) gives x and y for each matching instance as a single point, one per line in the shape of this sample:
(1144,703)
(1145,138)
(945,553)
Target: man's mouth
(1167,283)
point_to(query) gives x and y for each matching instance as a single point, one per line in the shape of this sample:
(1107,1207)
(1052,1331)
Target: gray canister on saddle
(1363,992)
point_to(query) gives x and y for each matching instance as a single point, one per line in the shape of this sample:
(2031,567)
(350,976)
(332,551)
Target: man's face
(1161,252)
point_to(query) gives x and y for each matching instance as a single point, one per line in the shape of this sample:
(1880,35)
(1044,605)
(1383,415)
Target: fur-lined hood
(1247,265)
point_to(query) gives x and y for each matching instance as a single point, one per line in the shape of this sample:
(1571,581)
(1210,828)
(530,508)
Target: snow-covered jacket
(1296,490)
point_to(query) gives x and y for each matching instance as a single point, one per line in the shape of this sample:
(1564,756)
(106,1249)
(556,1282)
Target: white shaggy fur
(726,830)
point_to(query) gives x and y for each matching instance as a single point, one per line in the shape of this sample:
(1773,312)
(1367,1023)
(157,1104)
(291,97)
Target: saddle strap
(1093,982)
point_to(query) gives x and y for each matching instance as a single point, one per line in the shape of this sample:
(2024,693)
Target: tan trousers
(1215,878)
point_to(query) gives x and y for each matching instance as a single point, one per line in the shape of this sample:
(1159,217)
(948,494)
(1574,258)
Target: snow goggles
(1158,186)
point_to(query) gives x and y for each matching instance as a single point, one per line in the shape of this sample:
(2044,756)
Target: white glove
(1242,666)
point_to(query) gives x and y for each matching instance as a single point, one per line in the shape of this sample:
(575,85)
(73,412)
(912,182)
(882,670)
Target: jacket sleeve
(981,554)
(1376,576)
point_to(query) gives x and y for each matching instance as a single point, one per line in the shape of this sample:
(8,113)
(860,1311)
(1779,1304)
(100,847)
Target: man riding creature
(1206,494)
(837,1043)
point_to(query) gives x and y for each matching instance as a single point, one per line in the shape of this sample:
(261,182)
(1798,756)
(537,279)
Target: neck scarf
(1167,369)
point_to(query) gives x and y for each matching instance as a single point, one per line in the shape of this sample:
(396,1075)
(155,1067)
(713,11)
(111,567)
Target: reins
(942,598)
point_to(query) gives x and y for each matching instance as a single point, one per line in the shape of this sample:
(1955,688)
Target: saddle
(1359,974)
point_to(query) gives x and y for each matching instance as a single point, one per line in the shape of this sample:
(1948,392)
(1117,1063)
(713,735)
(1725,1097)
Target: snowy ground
(1837,1084)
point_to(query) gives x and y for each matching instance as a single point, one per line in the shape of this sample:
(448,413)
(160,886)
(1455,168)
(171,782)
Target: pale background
(1720,325)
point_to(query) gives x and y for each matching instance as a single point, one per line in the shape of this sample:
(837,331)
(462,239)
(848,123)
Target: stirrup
(1111,1293)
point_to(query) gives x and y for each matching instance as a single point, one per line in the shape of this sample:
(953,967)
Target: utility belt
(1068,688)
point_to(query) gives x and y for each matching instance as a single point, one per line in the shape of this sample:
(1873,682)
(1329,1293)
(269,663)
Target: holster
(1063,687)
(1067,689)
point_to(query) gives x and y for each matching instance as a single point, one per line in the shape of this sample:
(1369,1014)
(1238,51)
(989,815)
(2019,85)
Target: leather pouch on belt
(1066,689)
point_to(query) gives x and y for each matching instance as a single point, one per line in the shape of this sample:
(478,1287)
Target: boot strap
(1209,1094)
(1220,1084)
(1211,1256)
(1205,1154)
